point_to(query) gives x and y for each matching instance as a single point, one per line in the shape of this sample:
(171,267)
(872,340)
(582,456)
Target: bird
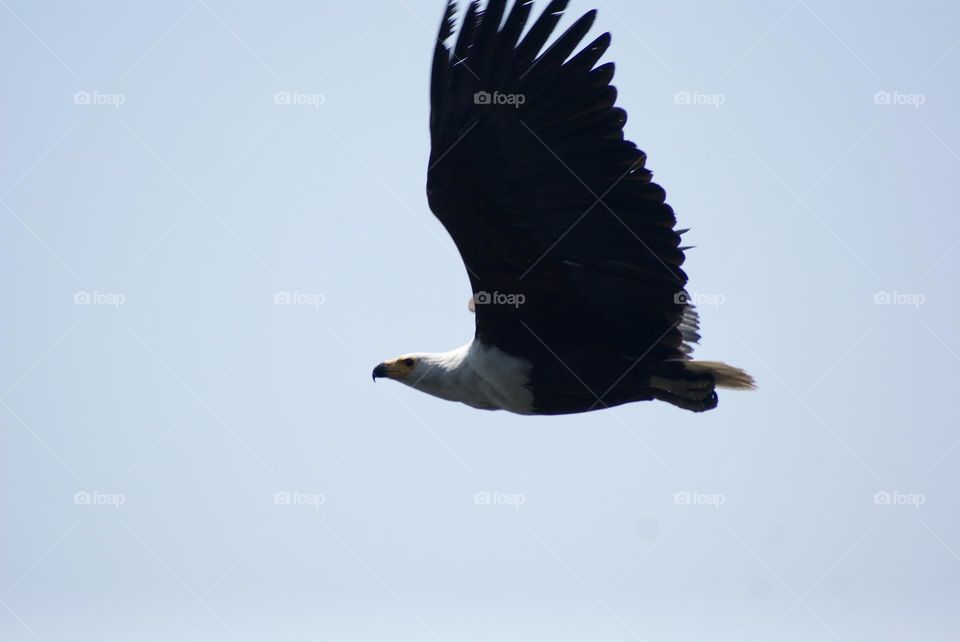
(571,250)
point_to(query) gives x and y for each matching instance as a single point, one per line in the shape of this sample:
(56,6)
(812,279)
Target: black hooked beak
(380,371)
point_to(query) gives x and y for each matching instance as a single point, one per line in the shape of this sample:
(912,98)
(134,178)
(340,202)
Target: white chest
(477,375)
(489,378)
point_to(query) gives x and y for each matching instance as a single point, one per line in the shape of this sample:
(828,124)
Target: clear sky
(198,275)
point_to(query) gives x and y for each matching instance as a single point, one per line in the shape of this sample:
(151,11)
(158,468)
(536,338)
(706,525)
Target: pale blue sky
(155,398)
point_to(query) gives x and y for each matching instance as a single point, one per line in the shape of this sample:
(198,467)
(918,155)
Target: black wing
(569,246)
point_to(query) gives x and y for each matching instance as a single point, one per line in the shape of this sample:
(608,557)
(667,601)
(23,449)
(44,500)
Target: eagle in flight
(570,247)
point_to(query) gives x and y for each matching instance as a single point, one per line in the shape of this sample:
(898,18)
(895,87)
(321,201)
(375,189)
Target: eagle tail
(724,376)
(691,384)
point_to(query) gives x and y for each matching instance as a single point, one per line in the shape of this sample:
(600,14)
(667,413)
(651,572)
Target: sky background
(197,281)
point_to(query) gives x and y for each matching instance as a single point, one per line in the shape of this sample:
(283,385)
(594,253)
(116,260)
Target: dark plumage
(545,199)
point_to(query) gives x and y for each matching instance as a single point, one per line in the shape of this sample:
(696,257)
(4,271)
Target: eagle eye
(408,362)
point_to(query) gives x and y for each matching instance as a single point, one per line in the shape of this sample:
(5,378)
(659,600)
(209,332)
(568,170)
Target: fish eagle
(570,248)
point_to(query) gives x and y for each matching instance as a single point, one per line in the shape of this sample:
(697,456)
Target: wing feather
(545,197)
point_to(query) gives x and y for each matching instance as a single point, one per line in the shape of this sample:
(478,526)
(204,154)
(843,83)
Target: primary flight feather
(571,251)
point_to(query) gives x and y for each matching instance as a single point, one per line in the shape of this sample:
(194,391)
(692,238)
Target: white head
(435,373)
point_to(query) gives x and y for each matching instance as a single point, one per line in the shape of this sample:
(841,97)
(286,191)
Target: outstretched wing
(565,238)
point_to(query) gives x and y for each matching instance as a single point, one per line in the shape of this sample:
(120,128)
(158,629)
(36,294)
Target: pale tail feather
(725,376)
